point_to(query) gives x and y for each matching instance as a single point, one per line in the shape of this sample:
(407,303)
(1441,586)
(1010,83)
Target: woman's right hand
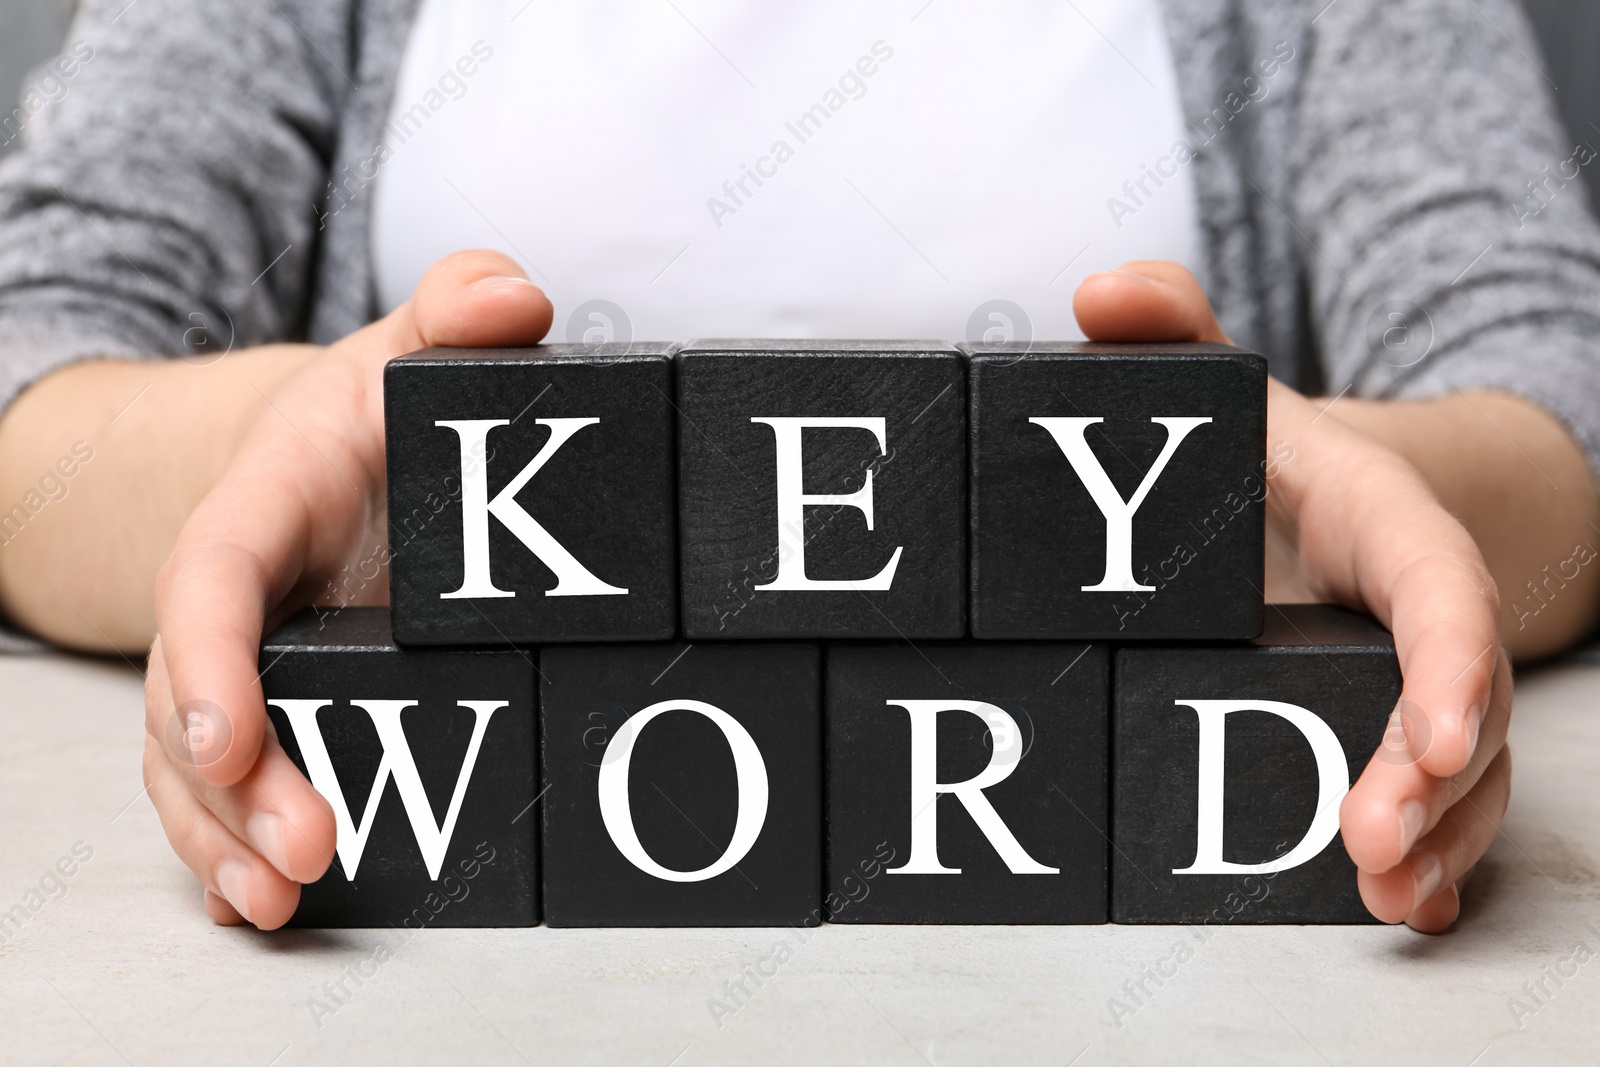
(303,498)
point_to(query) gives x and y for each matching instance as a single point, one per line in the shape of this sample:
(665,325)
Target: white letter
(792,503)
(1068,434)
(572,578)
(925,787)
(351,841)
(1333,782)
(748,765)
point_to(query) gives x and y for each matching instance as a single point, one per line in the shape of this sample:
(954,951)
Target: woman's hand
(1351,521)
(303,497)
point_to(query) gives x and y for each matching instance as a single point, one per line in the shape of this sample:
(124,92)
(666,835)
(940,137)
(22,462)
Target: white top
(828,169)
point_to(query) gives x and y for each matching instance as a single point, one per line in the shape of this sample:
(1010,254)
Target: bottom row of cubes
(769,784)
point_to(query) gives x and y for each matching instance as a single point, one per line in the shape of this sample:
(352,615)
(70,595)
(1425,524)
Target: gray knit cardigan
(1401,215)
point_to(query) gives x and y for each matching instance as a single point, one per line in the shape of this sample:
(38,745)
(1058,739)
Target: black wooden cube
(1230,763)
(531,494)
(822,489)
(684,784)
(1117,491)
(447,838)
(966,783)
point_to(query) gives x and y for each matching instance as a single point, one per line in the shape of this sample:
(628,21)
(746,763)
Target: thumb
(472,299)
(1146,300)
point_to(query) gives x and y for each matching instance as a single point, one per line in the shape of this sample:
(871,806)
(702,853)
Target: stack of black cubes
(762,633)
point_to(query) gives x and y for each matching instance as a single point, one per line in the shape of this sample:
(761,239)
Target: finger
(1396,801)
(1444,613)
(273,809)
(157,693)
(224,864)
(1446,853)
(1372,532)
(295,499)
(482,299)
(477,298)
(1146,300)
(1439,913)
(212,596)
(276,811)
(222,913)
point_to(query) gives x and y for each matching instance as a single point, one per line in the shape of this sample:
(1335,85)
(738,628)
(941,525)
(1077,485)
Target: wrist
(1522,486)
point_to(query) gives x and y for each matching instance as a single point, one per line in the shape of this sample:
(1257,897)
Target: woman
(1376,195)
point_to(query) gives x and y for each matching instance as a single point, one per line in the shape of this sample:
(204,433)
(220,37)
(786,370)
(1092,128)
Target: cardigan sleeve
(164,201)
(1447,233)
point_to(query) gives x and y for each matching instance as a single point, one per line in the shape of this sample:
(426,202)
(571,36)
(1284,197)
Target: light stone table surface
(119,964)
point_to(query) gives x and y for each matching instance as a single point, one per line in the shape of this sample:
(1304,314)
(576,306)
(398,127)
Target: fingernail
(1474,724)
(1429,873)
(233,882)
(1413,818)
(500,283)
(264,831)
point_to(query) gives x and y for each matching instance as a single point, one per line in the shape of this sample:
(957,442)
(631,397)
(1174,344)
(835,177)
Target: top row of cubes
(833,489)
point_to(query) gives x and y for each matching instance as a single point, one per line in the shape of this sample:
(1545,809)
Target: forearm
(1516,479)
(100,464)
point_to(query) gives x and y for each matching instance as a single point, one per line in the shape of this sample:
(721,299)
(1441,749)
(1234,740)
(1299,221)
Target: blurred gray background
(1569,31)
(30,32)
